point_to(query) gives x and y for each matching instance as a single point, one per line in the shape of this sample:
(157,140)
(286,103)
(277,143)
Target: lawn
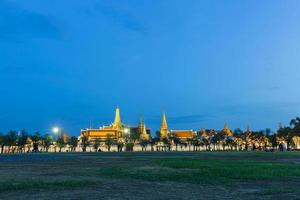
(157,175)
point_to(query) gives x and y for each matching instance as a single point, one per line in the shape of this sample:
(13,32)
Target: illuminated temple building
(117,130)
(183,135)
(226,131)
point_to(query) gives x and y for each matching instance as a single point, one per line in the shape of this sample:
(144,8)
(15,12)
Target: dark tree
(176,141)
(47,141)
(85,143)
(96,144)
(22,140)
(36,140)
(109,141)
(73,142)
(11,140)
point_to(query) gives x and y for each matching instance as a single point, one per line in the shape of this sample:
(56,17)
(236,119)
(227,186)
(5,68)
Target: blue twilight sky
(71,62)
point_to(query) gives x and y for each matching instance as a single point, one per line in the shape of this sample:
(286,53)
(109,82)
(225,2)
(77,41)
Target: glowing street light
(126,130)
(56,130)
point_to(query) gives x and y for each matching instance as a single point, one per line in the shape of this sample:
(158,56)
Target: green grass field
(156,175)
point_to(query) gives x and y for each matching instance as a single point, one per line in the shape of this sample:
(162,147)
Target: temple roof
(164,124)
(117,123)
(183,133)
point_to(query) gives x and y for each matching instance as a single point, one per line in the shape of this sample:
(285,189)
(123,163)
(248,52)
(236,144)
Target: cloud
(18,24)
(122,18)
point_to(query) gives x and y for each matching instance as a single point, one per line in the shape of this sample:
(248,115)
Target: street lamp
(56,130)
(126,131)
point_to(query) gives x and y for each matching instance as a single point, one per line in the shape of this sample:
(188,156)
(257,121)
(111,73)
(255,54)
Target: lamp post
(57,132)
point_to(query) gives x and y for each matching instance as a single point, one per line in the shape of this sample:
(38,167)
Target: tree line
(22,141)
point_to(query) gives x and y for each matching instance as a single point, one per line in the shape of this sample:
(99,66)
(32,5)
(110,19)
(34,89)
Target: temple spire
(164,121)
(164,127)
(141,125)
(248,132)
(204,134)
(141,119)
(225,126)
(144,135)
(227,131)
(117,123)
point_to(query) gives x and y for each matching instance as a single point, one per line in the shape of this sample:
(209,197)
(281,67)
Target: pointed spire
(225,126)
(164,121)
(227,131)
(117,122)
(204,134)
(248,129)
(248,132)
(141,119)
(144,129)
(164,127)
(141,125)
(144,135)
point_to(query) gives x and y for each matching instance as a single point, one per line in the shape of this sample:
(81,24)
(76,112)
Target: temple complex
(119,132)
(116,130)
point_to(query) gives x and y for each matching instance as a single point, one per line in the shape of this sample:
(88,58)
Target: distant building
(141,131)
(117,130)
(226,131)
(183,135)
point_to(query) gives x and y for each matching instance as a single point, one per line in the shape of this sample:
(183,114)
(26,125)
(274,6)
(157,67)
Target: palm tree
(11,140)
(22,140)
(36,139)
(96,144)
(176,141)
(73,142)
(218,139)
(109,141)
(189,142)
(61,143)
(273,140)
(85,142)
(167,142)
(287,134)
(144,144)
(195,142)
(129,145)
(229,143)
(153,141)
(47,140)
(205,142)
